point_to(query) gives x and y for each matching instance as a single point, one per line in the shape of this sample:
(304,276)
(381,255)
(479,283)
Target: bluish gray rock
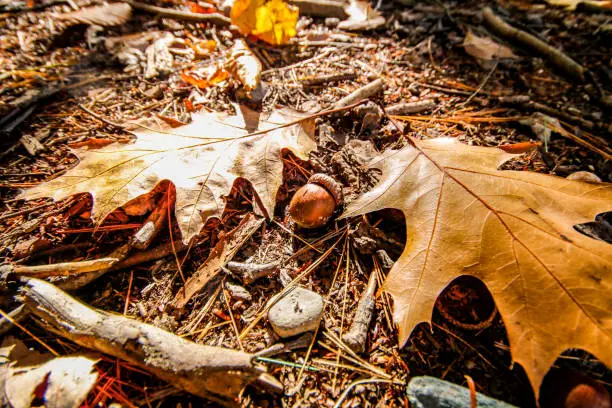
(431,392)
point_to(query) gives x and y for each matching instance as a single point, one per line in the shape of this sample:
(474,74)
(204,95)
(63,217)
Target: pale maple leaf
(202,159)
(514,231)
(485,48)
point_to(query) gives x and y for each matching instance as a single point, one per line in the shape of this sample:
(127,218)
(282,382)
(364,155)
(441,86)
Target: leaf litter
(468,104)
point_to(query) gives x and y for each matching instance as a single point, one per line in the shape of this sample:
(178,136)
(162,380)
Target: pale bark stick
(553,55)
(211,372)
(357,335)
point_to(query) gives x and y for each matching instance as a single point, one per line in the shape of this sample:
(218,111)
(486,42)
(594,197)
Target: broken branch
(212,372)
(555,56)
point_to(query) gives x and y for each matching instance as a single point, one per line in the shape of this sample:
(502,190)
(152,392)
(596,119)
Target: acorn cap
(329,184)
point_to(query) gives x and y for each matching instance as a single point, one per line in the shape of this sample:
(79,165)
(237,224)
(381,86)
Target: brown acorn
(314,203)
(565,388)
(588,396)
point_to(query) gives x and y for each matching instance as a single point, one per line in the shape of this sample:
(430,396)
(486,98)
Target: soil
(69,85)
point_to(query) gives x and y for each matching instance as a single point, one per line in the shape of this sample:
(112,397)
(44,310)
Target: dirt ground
(68,86)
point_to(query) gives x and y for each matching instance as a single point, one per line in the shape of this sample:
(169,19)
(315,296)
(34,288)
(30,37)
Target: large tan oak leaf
(202,159)
(514,231)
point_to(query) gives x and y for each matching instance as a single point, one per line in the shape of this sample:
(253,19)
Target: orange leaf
(519,148)
(92,143)
(196,8)
(204,78)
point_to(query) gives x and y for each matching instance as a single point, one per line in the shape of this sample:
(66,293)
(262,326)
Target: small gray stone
(237,292)
(430,392)
(297,312)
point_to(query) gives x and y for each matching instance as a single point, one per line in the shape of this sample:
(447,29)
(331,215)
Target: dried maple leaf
(514,231)
(272,21)
(202,159)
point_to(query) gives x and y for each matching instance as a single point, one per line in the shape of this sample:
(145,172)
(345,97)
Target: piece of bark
(321,8)
(544,50)
(357,335)
(31,144)
(212,372)
(220,255)
(360,94)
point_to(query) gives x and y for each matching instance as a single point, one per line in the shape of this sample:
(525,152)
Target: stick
(410,107)
(358,333)
(321,8)
(214,18)
(555,56)
(279,348)
(211,372)
(219,256)
(360,94)
(249,273)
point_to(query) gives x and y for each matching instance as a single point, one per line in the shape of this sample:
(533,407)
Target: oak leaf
(511,229)
(202,159)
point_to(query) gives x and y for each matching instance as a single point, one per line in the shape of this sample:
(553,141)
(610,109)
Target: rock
(237,292)
(297,312)
(430,392)
(332,22)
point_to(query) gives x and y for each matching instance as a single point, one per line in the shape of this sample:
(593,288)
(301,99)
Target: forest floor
(420,56)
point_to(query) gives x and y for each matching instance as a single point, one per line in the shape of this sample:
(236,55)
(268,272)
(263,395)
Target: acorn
(314,203)
(564,388)
(588,396)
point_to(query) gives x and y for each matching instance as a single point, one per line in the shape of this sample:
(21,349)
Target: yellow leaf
(271,21)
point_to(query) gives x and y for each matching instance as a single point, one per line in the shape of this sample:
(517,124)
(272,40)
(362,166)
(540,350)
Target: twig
(219,256)
(279,348)
(101,119)
(482,84)
(360,94)
(214,18)
(555,56)
(324,79)
(321,8)
(410,107)
(357,335)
